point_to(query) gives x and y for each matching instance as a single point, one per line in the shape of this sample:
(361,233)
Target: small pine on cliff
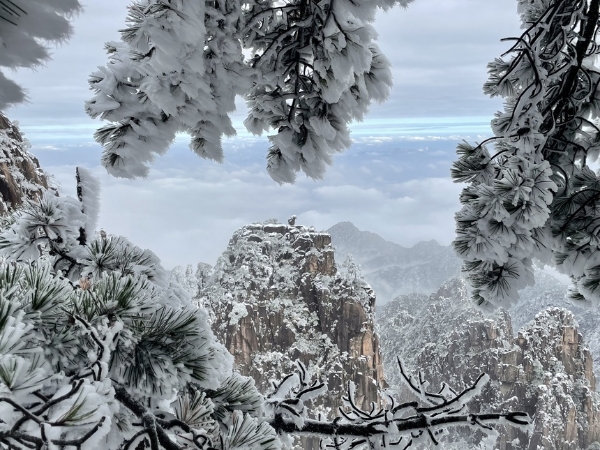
(21,177)
(277,296)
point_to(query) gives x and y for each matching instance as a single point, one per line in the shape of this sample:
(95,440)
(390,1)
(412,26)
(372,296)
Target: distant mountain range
(416,272)
(391,269)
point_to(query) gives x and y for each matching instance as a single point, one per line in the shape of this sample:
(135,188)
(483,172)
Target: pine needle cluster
(534,195)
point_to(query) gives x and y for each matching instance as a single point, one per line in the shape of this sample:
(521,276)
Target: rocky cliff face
(393,270)
(277,296)
(20,175)
(548,292)
(546,370)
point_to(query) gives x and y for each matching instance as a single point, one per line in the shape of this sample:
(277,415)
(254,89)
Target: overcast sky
(394,180)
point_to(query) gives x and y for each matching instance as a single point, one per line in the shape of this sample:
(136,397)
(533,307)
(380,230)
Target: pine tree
(25,28)
(315,69)
(534,195)
(97,350)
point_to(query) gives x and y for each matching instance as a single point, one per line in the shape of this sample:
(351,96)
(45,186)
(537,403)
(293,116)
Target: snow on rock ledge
(277,296)
(546,371)
(20,175)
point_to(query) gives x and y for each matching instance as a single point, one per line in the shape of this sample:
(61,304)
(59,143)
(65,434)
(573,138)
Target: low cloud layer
(393,181)
(188,208)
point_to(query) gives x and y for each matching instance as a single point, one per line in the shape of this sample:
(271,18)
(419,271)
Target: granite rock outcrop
(21,177)
(276,296)
(545,370)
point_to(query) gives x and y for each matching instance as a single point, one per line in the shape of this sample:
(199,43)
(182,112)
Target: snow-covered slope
(546,370)
(391,269)
(20,175)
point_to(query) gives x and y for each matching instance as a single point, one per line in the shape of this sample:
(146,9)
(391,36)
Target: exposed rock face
(277,296)
(20,175)
(548,292)
(546,370)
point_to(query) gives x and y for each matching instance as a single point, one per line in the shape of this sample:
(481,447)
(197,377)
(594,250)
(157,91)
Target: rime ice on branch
(395,426)
(178,68)
(96,350)
(315,68)
(534,195)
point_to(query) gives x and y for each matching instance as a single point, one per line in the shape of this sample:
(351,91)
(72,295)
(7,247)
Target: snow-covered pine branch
(393,426)
(315,68)
(78,362)
(320,69)
(88,194)
(534,195)
(26,26)
(80,354)
(178,68)
(154,82)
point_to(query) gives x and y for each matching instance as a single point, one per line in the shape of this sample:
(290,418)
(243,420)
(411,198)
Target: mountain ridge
(434,262)
(544,368)
(392,269)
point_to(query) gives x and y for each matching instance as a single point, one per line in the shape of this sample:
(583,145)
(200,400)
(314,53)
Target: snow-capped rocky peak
(546,370)
(277,296)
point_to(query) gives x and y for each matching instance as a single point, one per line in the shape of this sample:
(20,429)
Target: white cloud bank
(186,215)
